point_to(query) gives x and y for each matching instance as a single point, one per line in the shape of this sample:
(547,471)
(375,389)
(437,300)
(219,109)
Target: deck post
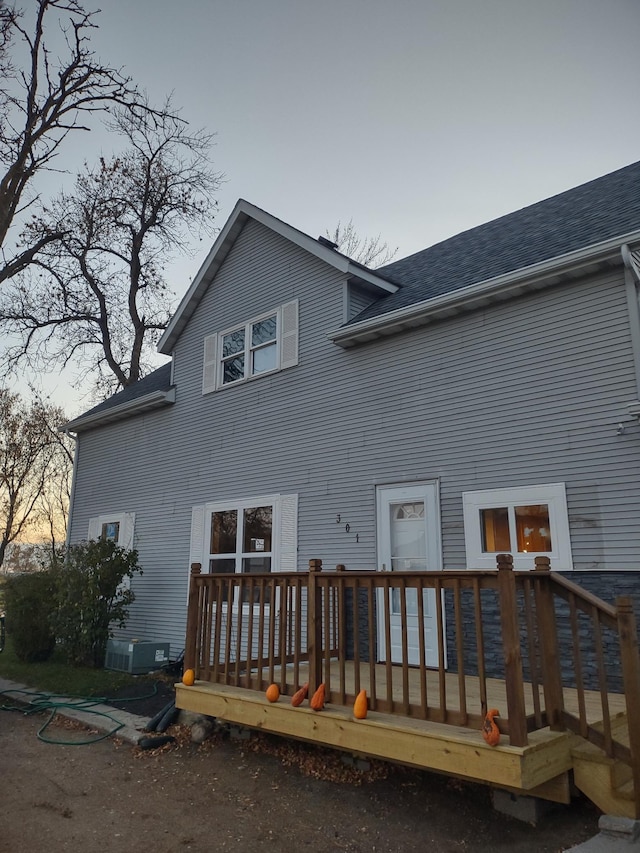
(192,620)
(631,676)
(314,627)
(514,680)
(548,639)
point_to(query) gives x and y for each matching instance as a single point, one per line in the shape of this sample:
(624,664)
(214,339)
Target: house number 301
(347,527)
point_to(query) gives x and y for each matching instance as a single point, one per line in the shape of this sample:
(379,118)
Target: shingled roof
(151,392)
(586,216)
(604,208)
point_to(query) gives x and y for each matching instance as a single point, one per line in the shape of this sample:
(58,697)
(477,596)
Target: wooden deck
(561,666)
(540,768)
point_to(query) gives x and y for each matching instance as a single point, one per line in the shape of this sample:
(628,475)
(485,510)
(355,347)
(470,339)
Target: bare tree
(35,468)
(99,299)
(46,93)
(368,251)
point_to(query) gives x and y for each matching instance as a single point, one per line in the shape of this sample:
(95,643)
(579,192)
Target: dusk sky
(416,118)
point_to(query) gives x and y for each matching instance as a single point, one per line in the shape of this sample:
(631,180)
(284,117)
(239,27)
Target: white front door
(409,540)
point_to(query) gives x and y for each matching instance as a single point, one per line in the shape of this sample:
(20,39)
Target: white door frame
(428,492)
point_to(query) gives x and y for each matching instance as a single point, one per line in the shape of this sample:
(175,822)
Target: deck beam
(426,745)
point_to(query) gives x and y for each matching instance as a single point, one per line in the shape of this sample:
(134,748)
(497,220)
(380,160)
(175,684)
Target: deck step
(606,781)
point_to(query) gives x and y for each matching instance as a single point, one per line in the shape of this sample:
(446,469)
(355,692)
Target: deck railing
(535,636)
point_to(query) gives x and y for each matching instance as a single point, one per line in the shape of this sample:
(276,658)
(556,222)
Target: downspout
(72,496)
(631,280)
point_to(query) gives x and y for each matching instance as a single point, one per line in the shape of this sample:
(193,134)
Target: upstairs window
(250,350)
(263,345)
(526,522)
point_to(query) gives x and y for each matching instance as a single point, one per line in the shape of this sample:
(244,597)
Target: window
(527,522)
(240,540)
(119,528)
(263,345)
(116,526)
(251,535)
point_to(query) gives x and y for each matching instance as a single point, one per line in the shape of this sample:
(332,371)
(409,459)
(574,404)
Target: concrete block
(619,827)
(527,809)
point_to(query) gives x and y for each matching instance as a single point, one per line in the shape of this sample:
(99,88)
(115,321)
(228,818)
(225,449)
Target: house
(481,396)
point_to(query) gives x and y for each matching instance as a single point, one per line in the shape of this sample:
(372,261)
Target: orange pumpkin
(188,677)
(317,700)
(300,695)
(360,706)
(273,693)
(490,730)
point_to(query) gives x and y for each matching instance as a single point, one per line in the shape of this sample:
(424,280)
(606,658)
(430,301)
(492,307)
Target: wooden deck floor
(540,768)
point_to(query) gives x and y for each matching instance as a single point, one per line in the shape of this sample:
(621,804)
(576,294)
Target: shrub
(29,603)
(92,596)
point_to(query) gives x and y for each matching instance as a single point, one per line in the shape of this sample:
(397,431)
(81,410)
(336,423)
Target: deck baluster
(548,638)
(314,637)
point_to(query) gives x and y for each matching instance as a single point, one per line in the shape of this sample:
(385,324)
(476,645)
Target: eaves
(150,402)
(573,265)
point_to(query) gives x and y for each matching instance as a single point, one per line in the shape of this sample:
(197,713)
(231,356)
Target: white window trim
(126,520)
(286,348)
(552,494)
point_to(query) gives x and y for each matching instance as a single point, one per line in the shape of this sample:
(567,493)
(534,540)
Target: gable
(242,214)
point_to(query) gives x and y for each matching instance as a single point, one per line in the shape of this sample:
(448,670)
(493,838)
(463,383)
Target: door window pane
(224,527)
(408,537)
(532,528)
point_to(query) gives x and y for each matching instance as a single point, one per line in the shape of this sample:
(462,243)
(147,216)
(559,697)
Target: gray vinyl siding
(359,298)
(524,392)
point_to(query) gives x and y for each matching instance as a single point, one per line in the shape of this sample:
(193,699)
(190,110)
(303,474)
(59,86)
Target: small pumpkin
(490,730)
(360,706)
(317,700)
(188,677)
(300,695)
(273,693)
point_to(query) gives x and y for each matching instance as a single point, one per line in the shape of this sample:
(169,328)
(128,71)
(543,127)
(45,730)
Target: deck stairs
(607,782)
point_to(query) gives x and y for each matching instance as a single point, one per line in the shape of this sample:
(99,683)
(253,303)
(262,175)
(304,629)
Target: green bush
(91,598)
(29,602)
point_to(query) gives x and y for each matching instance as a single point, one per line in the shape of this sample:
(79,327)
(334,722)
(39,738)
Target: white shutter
(196,550)
(210,364)
(289,334)
(94,528)
(125,534)
(288,535)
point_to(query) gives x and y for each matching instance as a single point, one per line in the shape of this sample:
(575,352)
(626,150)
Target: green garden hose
(53,703)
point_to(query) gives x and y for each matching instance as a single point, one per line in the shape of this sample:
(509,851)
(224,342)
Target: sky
(417,119)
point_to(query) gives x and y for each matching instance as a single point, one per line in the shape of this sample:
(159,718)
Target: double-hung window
(526,522)
(250,350)
(264,344)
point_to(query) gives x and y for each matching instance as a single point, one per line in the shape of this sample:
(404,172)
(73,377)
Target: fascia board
(154,400)
(242,212)
(516,280)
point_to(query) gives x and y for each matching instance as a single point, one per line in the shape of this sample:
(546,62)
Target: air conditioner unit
(137,657)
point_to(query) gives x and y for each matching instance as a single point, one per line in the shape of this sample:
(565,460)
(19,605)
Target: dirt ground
(231,794)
